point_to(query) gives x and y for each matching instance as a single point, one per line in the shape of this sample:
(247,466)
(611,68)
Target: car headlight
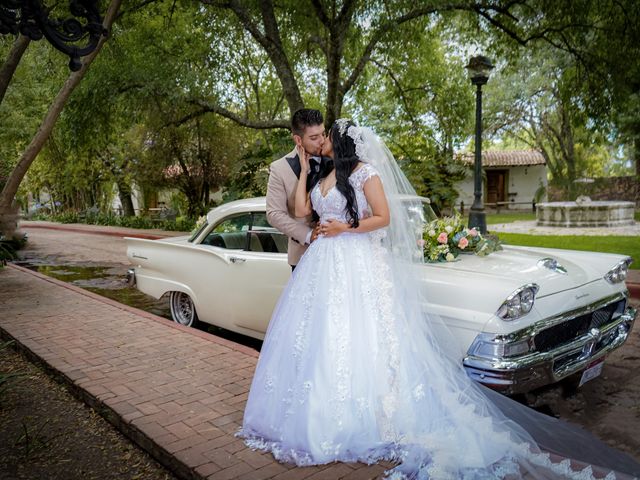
(619,272)
(519,303)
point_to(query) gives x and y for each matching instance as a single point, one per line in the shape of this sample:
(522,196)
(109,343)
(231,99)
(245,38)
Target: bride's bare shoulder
(358,166)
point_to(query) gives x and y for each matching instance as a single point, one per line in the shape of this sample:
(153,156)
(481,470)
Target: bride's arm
(303,199)
(377,200)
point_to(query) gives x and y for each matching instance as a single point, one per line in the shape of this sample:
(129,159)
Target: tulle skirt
(345,375)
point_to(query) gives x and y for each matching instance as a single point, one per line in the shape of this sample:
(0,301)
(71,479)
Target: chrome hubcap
(182,308)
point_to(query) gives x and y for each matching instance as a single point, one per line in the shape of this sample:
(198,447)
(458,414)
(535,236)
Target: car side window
(231,233)
(265,238)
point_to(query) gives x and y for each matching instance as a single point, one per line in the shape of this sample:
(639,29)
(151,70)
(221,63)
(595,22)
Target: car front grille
(567,331)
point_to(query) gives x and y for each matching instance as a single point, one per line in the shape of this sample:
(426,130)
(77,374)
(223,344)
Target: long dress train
(342,376)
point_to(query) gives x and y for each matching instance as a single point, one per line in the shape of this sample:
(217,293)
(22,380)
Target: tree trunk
(7,208)
(636,155)
(11,63)
(124,193)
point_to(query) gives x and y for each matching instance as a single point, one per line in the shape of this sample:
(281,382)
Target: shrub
(9,248)
(180,224)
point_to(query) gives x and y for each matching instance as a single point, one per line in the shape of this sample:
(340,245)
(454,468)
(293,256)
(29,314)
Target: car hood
(522,265)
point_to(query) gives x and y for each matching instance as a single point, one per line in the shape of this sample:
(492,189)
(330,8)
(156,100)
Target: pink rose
(442,238)
(462,244)
(421,242)
(473,232)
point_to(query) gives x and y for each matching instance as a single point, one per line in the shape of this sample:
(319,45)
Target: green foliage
(138,112)
(37,78)
(249,175)
(579,103)
(416,96)
(180,224)
(9,248)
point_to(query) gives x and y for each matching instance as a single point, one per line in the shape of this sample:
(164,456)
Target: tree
(419,99)
(11,63)
(333,44)
(546,109)
(7,208)
(194,158)
(599,38)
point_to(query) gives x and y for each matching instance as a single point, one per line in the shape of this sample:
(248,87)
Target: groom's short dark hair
(303,118)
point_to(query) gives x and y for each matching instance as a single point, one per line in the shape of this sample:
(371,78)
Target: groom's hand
(315,233)
(333,228)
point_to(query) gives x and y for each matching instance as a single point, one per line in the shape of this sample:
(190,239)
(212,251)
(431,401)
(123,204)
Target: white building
(510,180)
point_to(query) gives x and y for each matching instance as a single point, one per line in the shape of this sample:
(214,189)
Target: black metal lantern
(479,68)
(71,36)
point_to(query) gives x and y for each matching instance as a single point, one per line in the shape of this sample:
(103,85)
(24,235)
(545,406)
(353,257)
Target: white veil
(542,446)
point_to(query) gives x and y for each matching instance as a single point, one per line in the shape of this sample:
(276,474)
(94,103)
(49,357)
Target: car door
(252,273)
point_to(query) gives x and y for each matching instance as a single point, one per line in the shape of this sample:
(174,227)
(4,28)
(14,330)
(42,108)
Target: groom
(307,129)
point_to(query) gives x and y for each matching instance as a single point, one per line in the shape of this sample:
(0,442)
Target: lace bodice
(332,206)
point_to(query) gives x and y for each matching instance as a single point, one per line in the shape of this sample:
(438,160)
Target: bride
(353,369)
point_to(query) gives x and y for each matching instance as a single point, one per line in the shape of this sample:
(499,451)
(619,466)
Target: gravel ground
(46,433)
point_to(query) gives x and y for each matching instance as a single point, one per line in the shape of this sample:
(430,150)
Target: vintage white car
(525,317)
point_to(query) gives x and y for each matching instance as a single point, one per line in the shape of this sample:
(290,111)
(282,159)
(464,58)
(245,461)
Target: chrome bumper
(131,277)
(536,369)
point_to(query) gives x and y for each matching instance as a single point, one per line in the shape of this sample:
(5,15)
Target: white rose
(449,228)
(432,233)
(450,257)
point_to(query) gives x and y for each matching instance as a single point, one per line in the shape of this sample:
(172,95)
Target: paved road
(73,247)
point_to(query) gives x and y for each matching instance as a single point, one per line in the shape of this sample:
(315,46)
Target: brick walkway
(177,392)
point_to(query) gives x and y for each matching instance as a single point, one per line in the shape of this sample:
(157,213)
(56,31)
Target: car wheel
(183,310)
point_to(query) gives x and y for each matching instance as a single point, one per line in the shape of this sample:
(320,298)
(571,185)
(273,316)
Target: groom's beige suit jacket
(281,193)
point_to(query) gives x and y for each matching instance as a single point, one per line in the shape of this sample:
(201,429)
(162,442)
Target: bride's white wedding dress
(343,376)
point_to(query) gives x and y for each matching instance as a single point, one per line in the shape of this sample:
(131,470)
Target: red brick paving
(177,392)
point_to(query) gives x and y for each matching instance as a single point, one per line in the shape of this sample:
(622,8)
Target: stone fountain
(585,212)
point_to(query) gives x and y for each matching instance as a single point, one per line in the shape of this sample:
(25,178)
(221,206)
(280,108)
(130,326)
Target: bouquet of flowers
(445,238)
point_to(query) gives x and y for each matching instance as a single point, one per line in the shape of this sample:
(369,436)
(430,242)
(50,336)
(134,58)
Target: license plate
(592,371)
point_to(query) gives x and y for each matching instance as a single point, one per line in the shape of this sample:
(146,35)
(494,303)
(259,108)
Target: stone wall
(604,188)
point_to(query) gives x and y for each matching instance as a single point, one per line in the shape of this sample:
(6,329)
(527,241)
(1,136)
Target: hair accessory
(342,125)
(355,133)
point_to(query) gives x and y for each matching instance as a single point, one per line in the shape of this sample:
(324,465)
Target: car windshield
(199,231)
(420,211)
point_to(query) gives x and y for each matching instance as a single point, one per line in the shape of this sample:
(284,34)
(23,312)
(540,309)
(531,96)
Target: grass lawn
(622,245)
(517,216)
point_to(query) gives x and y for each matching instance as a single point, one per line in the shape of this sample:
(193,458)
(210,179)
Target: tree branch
(205,107)
(135,8)
(387,27)
(11,63)
(321,14)
(271,42)
(402,92)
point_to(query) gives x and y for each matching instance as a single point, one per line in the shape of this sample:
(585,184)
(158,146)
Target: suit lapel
(294,163)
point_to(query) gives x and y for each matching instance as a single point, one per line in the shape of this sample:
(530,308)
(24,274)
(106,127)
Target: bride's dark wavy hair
(345,161)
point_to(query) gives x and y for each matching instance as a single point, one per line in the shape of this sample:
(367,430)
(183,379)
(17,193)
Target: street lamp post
(479,68)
